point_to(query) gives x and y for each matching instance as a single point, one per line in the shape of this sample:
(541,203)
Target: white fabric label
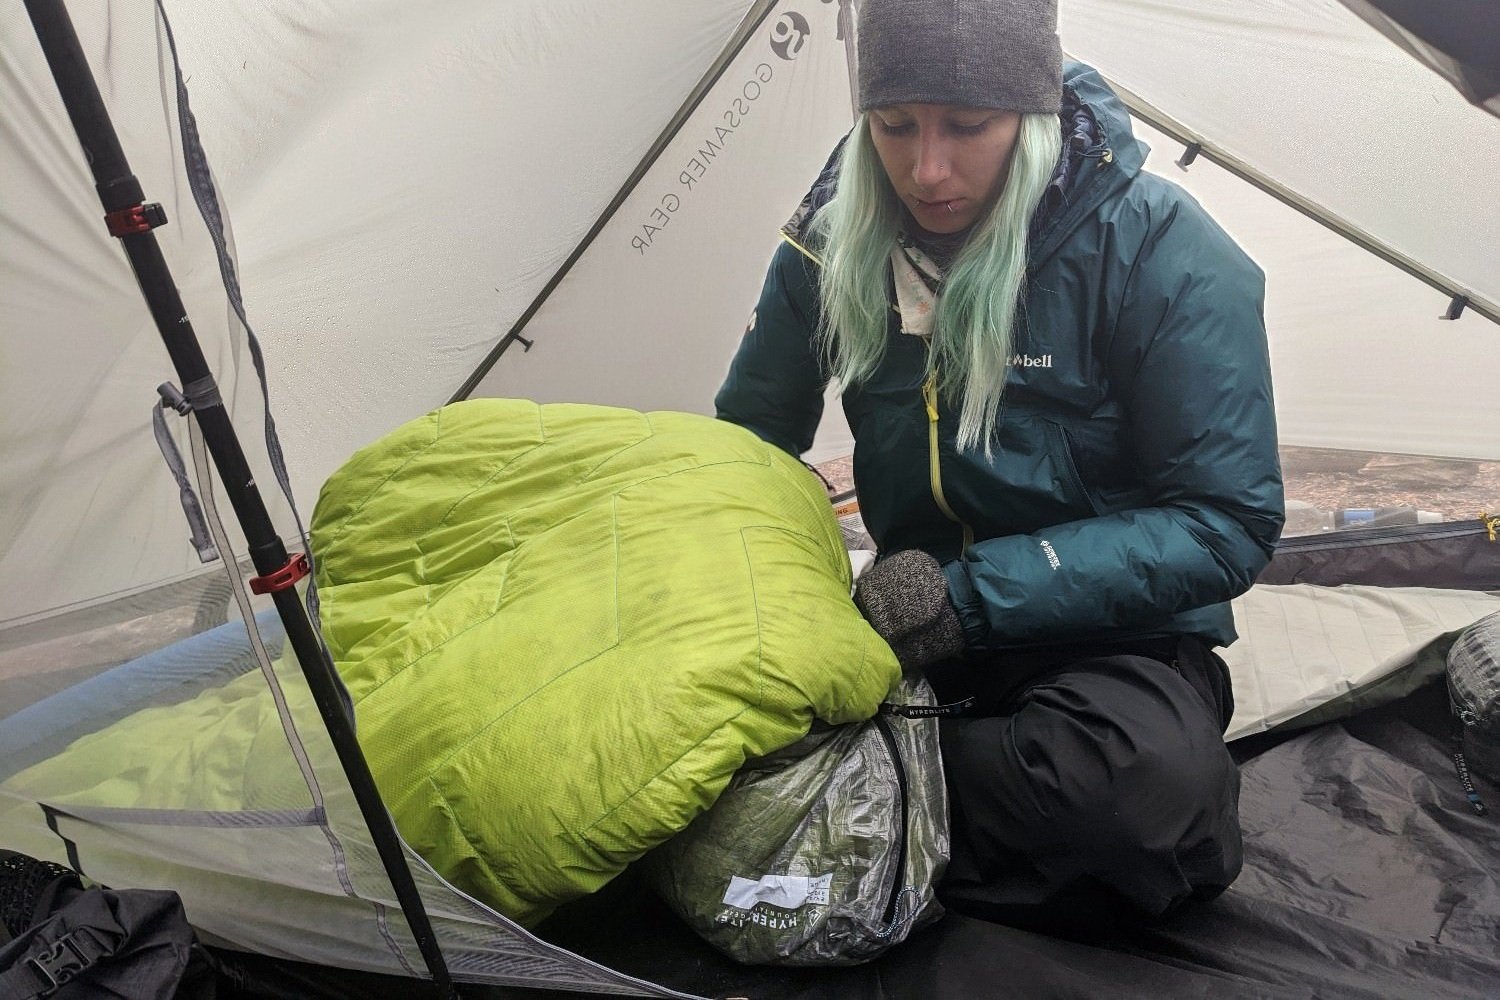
(789,892)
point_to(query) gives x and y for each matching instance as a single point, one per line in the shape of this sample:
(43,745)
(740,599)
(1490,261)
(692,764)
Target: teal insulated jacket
(1134,486)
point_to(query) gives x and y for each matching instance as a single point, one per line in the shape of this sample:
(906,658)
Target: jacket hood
(1099,136)
(1092,93)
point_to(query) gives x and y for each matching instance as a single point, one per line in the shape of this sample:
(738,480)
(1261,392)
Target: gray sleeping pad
(825,853)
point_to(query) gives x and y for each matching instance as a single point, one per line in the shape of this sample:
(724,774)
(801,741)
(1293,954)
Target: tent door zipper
(1355,537)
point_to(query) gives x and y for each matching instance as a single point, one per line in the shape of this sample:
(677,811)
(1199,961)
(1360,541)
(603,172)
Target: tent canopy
(403,184)
(598,187)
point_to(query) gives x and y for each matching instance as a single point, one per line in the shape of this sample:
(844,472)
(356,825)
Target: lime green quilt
(564,627)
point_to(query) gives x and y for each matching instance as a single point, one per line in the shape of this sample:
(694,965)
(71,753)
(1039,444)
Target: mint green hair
(981,295)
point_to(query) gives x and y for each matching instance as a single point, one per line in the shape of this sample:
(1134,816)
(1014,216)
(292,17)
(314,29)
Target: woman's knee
(1077,774)
(1164,793)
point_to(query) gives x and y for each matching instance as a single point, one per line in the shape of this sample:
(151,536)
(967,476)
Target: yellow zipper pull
(929,395)
(1491,524)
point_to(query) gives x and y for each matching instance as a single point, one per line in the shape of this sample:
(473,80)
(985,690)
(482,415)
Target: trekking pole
(130,219)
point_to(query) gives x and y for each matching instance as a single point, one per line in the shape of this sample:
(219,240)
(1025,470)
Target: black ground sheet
(1367,874)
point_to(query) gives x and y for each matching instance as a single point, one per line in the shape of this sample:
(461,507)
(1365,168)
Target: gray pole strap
(191,509)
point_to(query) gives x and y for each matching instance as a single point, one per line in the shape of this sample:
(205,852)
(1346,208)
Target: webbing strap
(927,711)
(191,509)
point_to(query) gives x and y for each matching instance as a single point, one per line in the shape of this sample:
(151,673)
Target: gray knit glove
(905,598)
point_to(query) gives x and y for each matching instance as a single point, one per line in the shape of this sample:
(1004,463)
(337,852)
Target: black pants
(1089,783)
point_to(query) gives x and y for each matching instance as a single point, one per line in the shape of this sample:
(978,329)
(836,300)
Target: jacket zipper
(934,469)
(929,400)
(804,250)
(894,894)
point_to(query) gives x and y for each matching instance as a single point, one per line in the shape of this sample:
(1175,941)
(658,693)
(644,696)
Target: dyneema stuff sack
(1474,694)
(825,853)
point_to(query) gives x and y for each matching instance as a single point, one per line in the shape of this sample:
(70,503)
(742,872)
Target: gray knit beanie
(975,53)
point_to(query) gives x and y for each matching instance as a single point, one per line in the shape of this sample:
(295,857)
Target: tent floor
(1367,875)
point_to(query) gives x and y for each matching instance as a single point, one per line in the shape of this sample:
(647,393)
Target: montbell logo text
(1027,361)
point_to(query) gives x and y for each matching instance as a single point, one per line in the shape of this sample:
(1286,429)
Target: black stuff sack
(825,853)
(62,941)
(1474,694)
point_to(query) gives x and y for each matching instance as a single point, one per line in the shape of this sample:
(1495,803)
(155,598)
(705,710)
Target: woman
(1055,369)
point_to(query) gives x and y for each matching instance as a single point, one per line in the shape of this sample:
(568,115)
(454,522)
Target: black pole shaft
(118,189)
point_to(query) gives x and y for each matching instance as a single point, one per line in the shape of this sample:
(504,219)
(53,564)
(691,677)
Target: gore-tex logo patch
(1052,559)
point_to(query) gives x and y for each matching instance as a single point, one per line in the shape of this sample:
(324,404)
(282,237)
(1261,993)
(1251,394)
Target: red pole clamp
(287,576)
(135,219)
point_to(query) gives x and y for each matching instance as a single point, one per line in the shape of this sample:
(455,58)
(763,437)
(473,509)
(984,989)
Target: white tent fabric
(1360,358)
(1321,103)
(405,180)
(87,508)
(404,183)
(654,310)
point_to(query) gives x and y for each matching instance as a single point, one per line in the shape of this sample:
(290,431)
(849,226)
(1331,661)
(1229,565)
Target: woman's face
(947,163)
